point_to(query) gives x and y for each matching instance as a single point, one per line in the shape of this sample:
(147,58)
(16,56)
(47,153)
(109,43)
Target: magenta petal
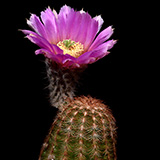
(106,46)
(62,22)
(85,58)
(101,38)
(61,26)
(56,49)
(65,11)
(69,63)
(41,51)
(91,33)
(37,39)
(27,32)
(65,60)
(100,21)
(102,50)
(100,55)
(49,20)
(65,57)
(36,24)
(41,42)
(84,27)
(46,52)
(74,30)
(99,52)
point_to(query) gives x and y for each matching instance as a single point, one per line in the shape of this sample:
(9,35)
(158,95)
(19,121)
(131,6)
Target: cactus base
(84,130)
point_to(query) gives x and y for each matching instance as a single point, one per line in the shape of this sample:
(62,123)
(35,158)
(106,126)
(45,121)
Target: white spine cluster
(62,82)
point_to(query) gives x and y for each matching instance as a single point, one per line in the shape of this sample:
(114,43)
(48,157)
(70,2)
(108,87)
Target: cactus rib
(83,130)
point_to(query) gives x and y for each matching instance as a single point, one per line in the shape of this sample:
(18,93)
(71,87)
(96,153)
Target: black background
(113,79)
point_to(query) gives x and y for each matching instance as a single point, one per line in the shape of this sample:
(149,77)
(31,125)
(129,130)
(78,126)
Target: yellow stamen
(75,49)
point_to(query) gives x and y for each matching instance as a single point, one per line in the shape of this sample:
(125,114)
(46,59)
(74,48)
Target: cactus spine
(83,130)
(62,82)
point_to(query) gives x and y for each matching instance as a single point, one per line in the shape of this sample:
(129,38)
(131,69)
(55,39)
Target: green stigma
(68,43)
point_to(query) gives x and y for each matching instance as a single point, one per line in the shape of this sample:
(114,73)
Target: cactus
(83,130)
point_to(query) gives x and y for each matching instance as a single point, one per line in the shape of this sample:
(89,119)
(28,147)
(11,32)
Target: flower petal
(98,53)
(56,49)
(41,42)
(106,46)
(85,58)
(62,21)
(101,38)
(49,20)
(91,33)
(102,50)
(46,52)
(86,29)
(36,24)
(65,11)
(65,60)
(27,32)
(100,21)
(73,30)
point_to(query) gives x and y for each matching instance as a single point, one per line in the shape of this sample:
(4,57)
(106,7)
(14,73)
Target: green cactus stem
(83,130)
(62,82)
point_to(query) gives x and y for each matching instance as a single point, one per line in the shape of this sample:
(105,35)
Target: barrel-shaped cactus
(83,130)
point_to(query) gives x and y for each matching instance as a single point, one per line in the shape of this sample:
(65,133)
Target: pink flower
(69,38)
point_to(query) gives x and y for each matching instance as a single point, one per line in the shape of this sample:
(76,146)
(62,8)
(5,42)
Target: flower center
(72,48)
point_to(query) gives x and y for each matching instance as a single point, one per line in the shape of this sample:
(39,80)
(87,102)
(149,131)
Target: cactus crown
(83,130)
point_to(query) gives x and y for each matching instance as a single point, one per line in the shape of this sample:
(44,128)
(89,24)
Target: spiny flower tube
(69,38)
